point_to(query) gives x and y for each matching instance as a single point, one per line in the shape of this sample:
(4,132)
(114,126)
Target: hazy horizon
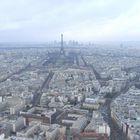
(81,20)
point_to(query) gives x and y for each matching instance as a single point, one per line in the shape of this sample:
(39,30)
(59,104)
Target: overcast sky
(83,20)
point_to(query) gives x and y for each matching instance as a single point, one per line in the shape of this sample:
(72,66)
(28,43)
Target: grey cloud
(44,19)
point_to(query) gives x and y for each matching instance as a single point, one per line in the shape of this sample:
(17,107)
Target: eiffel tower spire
(62,48)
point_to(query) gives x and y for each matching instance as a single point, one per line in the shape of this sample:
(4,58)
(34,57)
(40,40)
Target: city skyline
(69,70)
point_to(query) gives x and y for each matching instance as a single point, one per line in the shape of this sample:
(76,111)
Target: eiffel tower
(62,52)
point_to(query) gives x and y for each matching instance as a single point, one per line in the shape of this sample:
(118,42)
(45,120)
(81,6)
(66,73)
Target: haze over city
(69,70)
(82,20)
